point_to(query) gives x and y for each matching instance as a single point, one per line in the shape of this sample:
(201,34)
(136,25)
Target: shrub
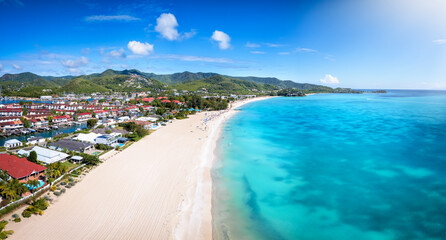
(68,186)
(70,179)
(26,213)
(57,193)
(63,183)
(15,215)
(53,188)
(17,220)
(63,190)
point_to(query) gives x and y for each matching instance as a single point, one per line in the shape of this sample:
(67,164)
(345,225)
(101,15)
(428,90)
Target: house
(46,98)
(123,119)
(84,116)
(108,139)
(35,140)
(61,119)
(8,126)
(10,112)
(12,143)
(87,137)
(9,119)
(70,145)
(145,124)
(20,168)
(76,159)
(101,113)
(46,155)
(40,122)
(133,109)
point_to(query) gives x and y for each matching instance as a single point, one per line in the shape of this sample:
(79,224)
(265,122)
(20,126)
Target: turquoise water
(334,166)
(41,183)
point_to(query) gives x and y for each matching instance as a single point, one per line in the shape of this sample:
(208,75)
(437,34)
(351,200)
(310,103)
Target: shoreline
(158,188)
(196,212)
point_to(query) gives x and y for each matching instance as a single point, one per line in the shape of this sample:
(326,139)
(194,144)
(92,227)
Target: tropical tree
(12,189)
(91,122)
(32,157)
(4,234)
(33,184)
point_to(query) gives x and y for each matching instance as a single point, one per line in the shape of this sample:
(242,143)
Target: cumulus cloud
(166,25)
(103,18)
(222,38)
(252,45)
(16,67)
(190,34)
(329,79)
(257,52)
(439,41)
(118,53)
(82,61)
(140,48)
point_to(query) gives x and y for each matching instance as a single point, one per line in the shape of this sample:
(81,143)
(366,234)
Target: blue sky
(345,43)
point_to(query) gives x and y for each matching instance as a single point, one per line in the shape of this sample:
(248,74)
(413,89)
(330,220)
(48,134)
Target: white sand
(158,188)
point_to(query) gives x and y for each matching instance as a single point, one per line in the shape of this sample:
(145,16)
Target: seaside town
(50,143)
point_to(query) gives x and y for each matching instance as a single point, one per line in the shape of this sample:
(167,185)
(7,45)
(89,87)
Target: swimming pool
(41,183)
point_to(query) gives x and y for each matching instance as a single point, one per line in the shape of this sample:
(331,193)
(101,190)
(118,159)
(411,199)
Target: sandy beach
(158,188)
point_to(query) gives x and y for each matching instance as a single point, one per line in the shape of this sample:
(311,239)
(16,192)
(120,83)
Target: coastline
(195,219)
(158,188)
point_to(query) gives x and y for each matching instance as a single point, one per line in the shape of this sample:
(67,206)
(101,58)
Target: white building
(46,155)
(46,98)
(12,143)
(89,137)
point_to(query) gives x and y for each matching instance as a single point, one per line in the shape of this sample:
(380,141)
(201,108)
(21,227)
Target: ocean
(334,166)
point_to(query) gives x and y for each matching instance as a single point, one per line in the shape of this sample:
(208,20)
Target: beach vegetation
(4,233)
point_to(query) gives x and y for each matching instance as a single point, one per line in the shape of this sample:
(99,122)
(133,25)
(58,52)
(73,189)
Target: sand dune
(158,188)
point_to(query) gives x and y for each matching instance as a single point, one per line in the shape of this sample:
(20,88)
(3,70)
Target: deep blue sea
(334,166)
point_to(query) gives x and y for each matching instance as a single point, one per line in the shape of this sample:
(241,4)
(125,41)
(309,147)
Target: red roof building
(19,168)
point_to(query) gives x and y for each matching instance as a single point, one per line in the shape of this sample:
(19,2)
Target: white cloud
(188,58)
(85,51)
(118,53)
(1,66)
(274,45)
(190,34)
(284,53)
(140,48)
(329,79)
(102,18)
(166,25)
(257,52)
(222,38)
(305,50)
(252,45)
(439,41)
(82,61)
(16,67)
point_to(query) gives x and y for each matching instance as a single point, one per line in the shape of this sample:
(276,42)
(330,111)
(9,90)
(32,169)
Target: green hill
(80,85)
(223,85)
(25,79)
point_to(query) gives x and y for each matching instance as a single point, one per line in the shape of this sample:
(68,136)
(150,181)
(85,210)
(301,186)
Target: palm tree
(4,234)
(33,184)
(18,187)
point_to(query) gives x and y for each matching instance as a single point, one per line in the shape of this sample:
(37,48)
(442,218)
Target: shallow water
(334,166)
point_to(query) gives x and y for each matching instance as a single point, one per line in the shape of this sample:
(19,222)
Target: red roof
(83,114)
(161,98)
(165,101)
(148,99)
(100,111)
(18,167)
(60,117)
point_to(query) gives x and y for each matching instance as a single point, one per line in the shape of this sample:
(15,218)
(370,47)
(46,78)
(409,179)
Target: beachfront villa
(87,137)
(20,168)
(76,159)
(13,143)
(70,145)
(108,139)
(45,155)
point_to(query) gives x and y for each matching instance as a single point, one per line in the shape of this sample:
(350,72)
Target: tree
(24,111)
(4,234)
(91,122)
(32,157)
(33,184)
(26,122)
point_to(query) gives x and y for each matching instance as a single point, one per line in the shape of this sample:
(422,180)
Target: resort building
(9,126)
(84,116)
(60,119)
(12,143)
(20,168)
(46,155)
(35,140)
(70,145)
(87,137)
(10,112)
(108,139)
